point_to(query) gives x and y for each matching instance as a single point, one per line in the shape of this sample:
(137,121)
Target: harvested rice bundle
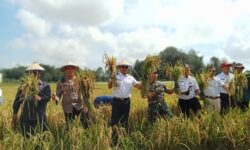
(29,86)
(240,85)
(110,65)
(202,79)
(151,64)
(86,83)
(174,73)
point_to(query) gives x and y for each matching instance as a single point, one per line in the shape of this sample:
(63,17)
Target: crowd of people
(217,97)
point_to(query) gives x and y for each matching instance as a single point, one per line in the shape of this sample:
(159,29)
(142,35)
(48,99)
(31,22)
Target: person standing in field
(1,96)
(33,113)
(121,97)
(212,92)
(67,90)
(157,107)
(188,89)
(226,77)
(243,103)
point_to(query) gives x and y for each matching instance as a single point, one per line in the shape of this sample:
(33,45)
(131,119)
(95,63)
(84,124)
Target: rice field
(208,131)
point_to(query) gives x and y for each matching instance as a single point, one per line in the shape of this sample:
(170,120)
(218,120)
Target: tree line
(170,55)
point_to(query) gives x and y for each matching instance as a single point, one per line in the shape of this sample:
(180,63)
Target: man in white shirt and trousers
(121,98)
(226,77)
(188,89)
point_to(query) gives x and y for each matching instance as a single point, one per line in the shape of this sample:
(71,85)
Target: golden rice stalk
(86,81)
(202,80)
(151,63)
(110,65)
(29,86)
(241,83)
(231,88)
(174,72)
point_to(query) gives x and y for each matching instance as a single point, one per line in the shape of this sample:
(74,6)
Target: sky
(55,32)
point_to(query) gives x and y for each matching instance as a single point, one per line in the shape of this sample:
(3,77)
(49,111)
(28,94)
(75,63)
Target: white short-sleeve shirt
(125,83)
(225,79)
(213,88)
(1,96)
(185,84)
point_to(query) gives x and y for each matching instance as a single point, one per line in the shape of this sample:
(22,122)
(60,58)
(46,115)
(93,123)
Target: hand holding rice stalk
(151,63)
(110,65)
(29,86)
(174,73)
(240,85)
(86,82)
(202,79)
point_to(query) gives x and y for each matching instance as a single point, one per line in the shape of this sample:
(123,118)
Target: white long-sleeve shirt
(213,88)
(225,79)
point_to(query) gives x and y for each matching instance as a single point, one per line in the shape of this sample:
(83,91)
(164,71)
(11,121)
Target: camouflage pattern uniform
(156,104)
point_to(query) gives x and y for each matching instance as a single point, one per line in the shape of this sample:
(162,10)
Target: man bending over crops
(227,79)
(33,95)
(242,94)
(212,91)
(188,89)
(156,103)
(67,91)
(121,97)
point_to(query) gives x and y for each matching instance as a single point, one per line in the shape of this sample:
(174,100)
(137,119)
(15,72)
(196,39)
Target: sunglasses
(124,66)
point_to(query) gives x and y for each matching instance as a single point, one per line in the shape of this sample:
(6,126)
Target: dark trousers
(30,127)
(119,116)
(187,105)
(84,117)
(158,109)
(226,102)
(243,105)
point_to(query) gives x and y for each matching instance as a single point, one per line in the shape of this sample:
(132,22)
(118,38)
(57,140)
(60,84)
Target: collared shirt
(68,92)
(213,88)
(31,109)
(159,90)
(125,83)
(226,79)
(186,84)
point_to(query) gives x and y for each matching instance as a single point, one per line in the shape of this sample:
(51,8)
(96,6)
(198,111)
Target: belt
(121,99)
(212,97)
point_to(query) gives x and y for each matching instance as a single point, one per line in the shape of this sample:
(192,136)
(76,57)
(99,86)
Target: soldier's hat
(239,65)
(70,64)
(35,67)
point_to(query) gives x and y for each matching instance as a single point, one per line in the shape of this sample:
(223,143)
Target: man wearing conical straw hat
(121,97)
(188,89)
(67,90)
(243,102)
(226,78)
(33,114)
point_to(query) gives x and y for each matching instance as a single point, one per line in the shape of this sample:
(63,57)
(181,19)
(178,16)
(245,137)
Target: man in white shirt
(212,92)
(121,97)
(188,89)
(226,77)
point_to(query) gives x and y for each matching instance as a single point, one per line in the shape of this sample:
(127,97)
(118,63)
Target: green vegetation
(208,131)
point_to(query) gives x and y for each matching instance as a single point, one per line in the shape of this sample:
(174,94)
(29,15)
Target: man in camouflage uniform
(156,104)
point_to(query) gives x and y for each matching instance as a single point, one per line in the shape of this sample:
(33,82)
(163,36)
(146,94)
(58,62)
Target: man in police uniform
(188,89)
(67,91)
(156,104)
(226,77)
(212,92)
(121,97)
(33,114)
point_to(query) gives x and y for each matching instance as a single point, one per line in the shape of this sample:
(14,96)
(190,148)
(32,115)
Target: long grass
(207,131)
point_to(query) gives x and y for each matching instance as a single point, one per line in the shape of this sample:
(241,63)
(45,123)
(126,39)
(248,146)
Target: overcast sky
(57,31)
